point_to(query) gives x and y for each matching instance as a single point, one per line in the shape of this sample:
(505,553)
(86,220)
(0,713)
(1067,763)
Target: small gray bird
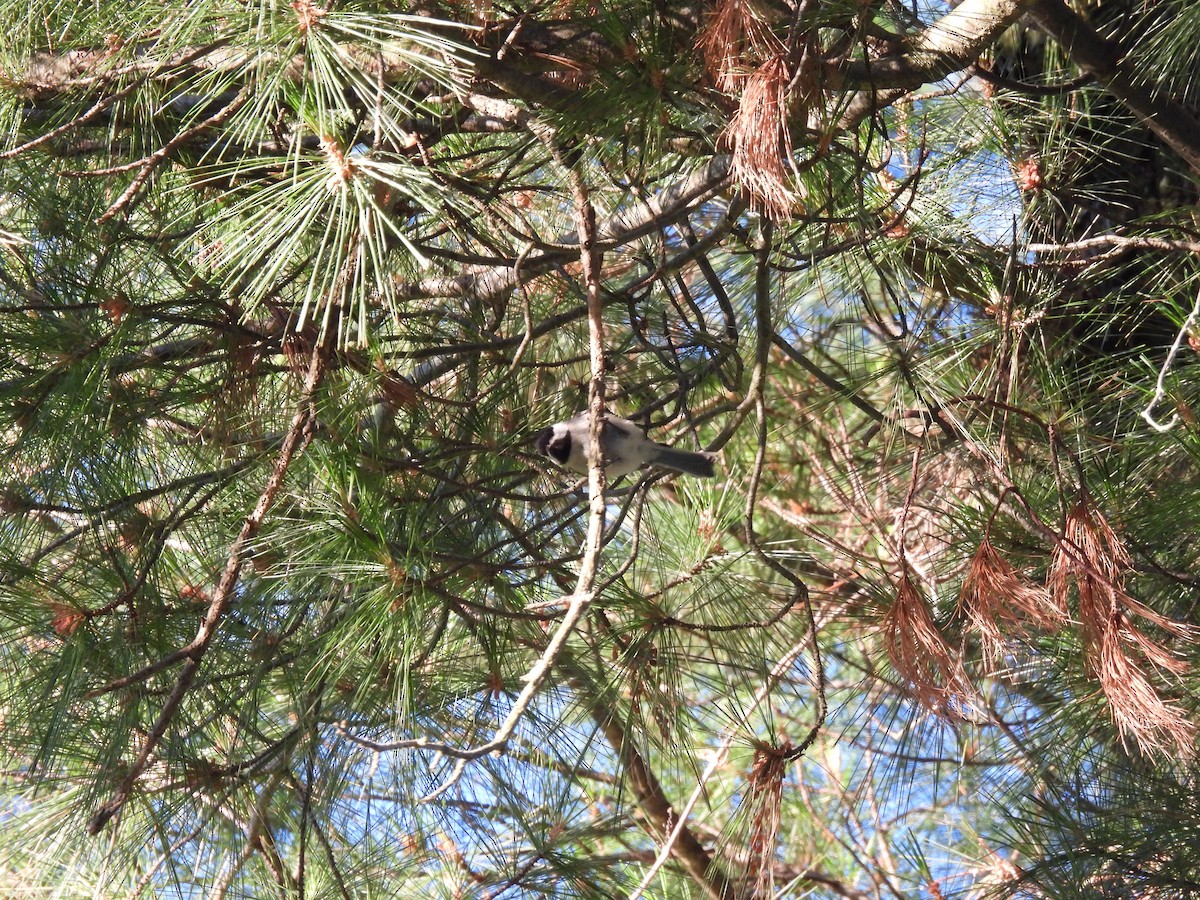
(624,445)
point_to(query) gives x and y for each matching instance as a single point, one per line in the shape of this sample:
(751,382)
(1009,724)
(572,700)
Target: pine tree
(291,606)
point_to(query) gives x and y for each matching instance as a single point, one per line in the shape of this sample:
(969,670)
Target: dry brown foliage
(994,593)
(760,141)
(735,32)
(1093,560)
(66,619)
(764,794)
(920,654)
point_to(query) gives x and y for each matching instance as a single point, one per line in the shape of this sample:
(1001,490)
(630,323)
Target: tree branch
(679,841)
(628,224)
(194,652)
(945,46)
(1172,122)
(584,594)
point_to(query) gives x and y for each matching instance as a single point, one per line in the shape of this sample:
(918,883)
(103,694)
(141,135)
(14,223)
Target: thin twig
(584,594)
(194,652)
(765,331)
(151,162)
(527,337)
(98,107)
(1160,387)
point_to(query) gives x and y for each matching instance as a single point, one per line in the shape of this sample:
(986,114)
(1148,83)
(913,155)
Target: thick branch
(1172,122)
(652,800)
(946,46)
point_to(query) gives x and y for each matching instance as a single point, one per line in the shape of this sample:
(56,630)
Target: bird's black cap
(555,446)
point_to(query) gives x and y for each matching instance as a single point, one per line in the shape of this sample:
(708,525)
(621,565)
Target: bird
(624,445)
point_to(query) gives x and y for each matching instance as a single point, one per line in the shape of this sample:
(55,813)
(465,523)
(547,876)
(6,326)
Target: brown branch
(1133,242)
(98,107)
(1171,121)
(983,73)
(652,800)
(152,162)
(194,652)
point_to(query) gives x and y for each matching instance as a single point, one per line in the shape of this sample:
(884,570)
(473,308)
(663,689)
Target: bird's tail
(698,464)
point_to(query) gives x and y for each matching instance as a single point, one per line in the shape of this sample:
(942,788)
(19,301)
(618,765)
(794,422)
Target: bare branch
(151,162)
(584,594)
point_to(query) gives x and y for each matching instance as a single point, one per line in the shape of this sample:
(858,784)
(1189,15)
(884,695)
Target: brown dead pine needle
(1093,560)
(994,593)
(761,142)
(734,34)
(764,799)
(920,654)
